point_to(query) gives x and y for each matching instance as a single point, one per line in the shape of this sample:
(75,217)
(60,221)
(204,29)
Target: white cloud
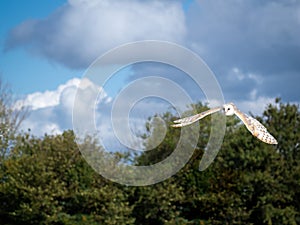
(236,74)
(80,31)
(39,100)
(255,106)
(51,111)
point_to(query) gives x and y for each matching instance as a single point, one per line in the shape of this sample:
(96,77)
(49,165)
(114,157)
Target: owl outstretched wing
(256,128)
(191,119)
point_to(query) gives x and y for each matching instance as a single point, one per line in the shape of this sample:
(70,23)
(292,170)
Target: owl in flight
(254,126)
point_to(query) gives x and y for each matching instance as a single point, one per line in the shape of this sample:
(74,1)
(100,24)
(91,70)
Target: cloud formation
(80,31)
(253,47)
(255,37)
(252,34)
(39,100)
(51,111)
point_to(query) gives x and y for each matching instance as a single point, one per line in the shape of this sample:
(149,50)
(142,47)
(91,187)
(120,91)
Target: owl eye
(228,109)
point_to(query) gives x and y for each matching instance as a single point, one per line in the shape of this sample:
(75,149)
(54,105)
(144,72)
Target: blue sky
(26,73)
(253,48)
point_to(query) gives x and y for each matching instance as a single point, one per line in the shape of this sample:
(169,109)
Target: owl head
(229,109)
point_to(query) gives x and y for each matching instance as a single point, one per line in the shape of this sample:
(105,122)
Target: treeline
(47,181)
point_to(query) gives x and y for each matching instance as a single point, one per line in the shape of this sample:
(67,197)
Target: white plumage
(254,126)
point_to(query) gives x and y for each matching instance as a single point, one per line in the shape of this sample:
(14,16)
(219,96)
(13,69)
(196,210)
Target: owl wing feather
(256,128)
(192,119)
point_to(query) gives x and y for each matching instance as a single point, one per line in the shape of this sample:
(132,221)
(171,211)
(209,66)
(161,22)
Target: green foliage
(157,204)
(249,182)
(47,181)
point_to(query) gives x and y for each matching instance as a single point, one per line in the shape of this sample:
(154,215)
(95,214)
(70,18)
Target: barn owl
(254,126)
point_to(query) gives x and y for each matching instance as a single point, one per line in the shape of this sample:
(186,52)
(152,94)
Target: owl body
(253,125)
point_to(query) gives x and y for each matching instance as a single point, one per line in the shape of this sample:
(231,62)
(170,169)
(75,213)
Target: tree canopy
(47,181)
